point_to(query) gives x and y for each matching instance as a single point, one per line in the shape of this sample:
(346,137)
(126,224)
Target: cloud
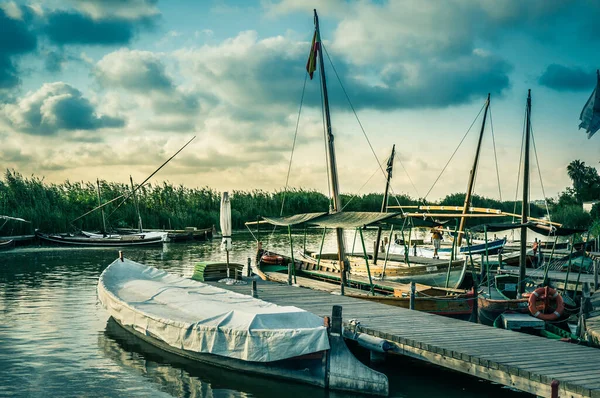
(144,74)
(127,9)
(56,107)
(71,27)
(564,78)
(17,40)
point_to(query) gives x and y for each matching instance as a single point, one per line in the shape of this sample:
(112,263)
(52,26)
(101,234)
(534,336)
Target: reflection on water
(55,339)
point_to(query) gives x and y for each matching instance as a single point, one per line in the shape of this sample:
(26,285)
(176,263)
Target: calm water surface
(56,340)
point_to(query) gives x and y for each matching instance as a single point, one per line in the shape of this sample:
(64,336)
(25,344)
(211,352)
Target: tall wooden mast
(137,206)
(469,193)
(332,162)
(525,210)
(390,167)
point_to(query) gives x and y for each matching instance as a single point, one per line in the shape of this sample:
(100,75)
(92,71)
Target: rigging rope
(520,163)
(454,153)
(537,162)
(364,132)
(287,179)
(360,189)
(495,155)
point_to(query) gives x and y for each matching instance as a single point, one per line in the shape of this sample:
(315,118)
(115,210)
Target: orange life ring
(545,293)
(271,259)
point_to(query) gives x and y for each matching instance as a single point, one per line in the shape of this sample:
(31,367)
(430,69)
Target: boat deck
(518,360)
(557,277)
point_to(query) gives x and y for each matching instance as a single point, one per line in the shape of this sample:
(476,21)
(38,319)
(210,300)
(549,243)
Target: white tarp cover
(197,317)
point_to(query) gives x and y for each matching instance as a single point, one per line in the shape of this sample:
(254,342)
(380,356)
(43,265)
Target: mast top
(529,93)
(316,18)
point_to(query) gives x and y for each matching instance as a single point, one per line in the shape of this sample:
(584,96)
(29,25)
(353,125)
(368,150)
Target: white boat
(213,325)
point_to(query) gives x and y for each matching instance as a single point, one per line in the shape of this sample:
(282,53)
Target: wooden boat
(120,241)
(7,244)
(455,303)
(211,325)
(493,247)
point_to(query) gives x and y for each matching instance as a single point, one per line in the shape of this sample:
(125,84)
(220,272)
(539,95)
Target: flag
(390,163)
(311,64)
(590,114)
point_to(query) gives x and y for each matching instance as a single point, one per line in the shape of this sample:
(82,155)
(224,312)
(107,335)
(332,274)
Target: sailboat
(387,282)
(509,293)
(457,249)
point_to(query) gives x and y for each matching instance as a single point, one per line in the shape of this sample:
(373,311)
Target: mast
(525,210)
(471,182)
(333,177)
(390,166)
(100,204)
(137,206)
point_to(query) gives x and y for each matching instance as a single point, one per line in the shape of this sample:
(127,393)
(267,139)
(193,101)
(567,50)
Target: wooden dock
(518,360)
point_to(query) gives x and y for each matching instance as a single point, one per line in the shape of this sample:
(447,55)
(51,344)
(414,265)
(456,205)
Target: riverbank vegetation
(53,207)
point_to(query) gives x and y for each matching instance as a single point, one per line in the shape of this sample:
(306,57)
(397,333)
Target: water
(55,338)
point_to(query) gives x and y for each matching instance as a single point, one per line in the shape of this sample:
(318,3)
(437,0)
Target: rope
(287,179)
(454,153)
(360,189)
(362,128)
(537,162)
(495,154)
(520,163)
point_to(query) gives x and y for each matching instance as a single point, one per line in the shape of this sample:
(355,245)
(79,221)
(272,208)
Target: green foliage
(586,181)
(572,216)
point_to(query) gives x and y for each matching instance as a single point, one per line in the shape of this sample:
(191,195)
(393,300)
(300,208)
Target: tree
(586,181)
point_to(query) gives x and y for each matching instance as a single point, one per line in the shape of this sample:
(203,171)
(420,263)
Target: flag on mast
(311,64)
(590,114)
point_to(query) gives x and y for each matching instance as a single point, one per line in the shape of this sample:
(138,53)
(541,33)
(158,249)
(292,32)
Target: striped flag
(590,114)
(311,64)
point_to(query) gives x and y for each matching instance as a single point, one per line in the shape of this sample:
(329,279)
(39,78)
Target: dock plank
(518,360)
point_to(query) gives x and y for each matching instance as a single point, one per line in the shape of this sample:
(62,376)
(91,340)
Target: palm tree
(577,171)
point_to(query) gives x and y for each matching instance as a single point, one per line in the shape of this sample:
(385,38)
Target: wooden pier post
(120,255)
(412,296)
(554,388)
(336,320)
(596,275)
(254,291)
(249,269)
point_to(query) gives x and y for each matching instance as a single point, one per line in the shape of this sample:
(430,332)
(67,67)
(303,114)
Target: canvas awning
(352,219)
(296,219)
(535,227)
(346,219)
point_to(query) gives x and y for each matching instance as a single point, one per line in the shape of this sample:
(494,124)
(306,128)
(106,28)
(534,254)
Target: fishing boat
(116,241)
(212,325)
(7,244)
(509,293)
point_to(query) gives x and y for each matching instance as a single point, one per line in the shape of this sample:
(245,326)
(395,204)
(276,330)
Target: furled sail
(590,114)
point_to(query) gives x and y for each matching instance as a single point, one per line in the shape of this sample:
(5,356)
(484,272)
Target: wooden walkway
(518,360)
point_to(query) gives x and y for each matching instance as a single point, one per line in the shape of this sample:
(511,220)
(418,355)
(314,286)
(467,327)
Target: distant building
(587,206)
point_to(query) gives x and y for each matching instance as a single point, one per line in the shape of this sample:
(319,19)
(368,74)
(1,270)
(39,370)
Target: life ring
(272,259)
(545,293)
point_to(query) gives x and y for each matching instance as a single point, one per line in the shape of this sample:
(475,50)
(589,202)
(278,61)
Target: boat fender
(543,293)
(373,343)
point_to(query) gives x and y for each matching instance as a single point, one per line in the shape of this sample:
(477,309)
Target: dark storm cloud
(15,39)
(564,78)
(72,27)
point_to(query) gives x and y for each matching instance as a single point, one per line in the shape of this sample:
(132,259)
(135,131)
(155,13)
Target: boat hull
(490,309)
(100,242)
(7,244)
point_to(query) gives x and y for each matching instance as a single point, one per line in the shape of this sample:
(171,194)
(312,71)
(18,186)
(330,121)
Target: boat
(491,248)
(7,244)
(116,241)
(504,293)
(212,325)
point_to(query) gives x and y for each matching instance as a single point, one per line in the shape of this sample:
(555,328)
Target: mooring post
(596,275)
(554,388)
(336,320)
(415,249)
(254,291)
(120,255)
(249,269)
(412,296)
(290,265)
(474,309)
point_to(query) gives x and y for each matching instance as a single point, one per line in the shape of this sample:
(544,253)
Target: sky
(112,88)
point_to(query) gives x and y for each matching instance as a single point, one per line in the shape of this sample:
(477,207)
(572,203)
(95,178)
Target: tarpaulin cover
(293,220)
(351,219)
(197,317)
(535,227)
